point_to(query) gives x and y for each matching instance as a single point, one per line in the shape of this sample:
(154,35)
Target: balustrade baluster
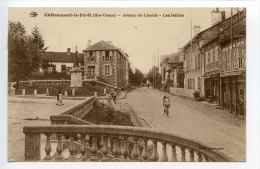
(155,155)
(59,149)
(48,147)
(72,149)
(174,154)
(183,153)
(164,153)
(191,151)
(86,148)
(206,158)
(82,147)
(78,146)
(199,157)
(104,148)
(116,148)
(134,153)
(109,146)
(123,147)
(94,148)
(144,152)
(128,148)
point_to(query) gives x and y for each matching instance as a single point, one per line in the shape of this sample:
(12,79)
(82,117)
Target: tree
(36,48)
(136,78)
(154,77)
(19,66)
(24,52)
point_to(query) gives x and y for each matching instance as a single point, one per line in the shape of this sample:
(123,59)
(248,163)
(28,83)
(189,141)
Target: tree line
(138,78)
(24,52)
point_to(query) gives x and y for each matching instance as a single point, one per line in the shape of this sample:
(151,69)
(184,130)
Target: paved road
(193,120)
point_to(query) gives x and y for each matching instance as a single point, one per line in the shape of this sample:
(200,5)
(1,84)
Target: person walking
(113,95)
(166,105)
(105,91)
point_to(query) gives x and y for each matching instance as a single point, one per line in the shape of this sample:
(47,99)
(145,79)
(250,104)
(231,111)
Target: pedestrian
(166,105)
(105,91)
(113,95)
(59,98)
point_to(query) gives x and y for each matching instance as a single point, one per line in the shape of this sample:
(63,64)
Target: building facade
(233,51)
(106,62)
(193,66)
(172,70)
(215,62)
(62,61)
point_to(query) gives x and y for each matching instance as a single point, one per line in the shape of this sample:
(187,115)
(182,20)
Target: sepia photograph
(126,84)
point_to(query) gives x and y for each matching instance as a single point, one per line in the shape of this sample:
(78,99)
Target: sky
(143,38)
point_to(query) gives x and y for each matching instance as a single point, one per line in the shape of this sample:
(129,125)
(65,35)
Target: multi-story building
(233,52)
(106,62)
(172,70)
(193,66)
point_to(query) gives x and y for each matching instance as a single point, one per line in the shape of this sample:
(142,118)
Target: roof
(62,57)
(171,58)
(103,45)
(211,32)
(106,45)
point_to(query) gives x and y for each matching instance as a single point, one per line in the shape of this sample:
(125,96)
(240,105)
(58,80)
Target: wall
(182,92)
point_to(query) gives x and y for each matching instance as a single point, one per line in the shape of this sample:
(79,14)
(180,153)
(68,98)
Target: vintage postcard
(127,84)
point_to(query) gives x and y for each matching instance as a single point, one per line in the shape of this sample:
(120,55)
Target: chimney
(216,16)
(68,51)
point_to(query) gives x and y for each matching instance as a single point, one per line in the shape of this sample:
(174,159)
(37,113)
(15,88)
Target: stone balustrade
(75,114)
(111,143)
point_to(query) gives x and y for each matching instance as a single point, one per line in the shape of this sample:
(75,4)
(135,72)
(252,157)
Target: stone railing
(75,114)
(111,143)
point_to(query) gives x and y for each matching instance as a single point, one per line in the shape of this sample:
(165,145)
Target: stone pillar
(65,93)
(35,92)
(95,94)
(23,92)
(32,147)
(47,91)
(73,91)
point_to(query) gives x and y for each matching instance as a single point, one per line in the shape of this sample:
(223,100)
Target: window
(107,70)
(216,53)
(63,68)
(213,55)
(91,70)
(198,83)
(209,55)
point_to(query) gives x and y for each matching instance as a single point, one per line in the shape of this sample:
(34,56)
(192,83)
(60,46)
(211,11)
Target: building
(214,62)
(62,61)
(193,66)
(233,51)
(172,70)
(106,62)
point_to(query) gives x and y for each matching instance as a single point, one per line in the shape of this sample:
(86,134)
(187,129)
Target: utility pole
(154,71)
(158,62)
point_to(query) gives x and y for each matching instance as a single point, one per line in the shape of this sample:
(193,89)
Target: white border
(253,81)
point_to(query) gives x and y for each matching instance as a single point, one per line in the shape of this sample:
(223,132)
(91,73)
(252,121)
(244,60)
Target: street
(193,120)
